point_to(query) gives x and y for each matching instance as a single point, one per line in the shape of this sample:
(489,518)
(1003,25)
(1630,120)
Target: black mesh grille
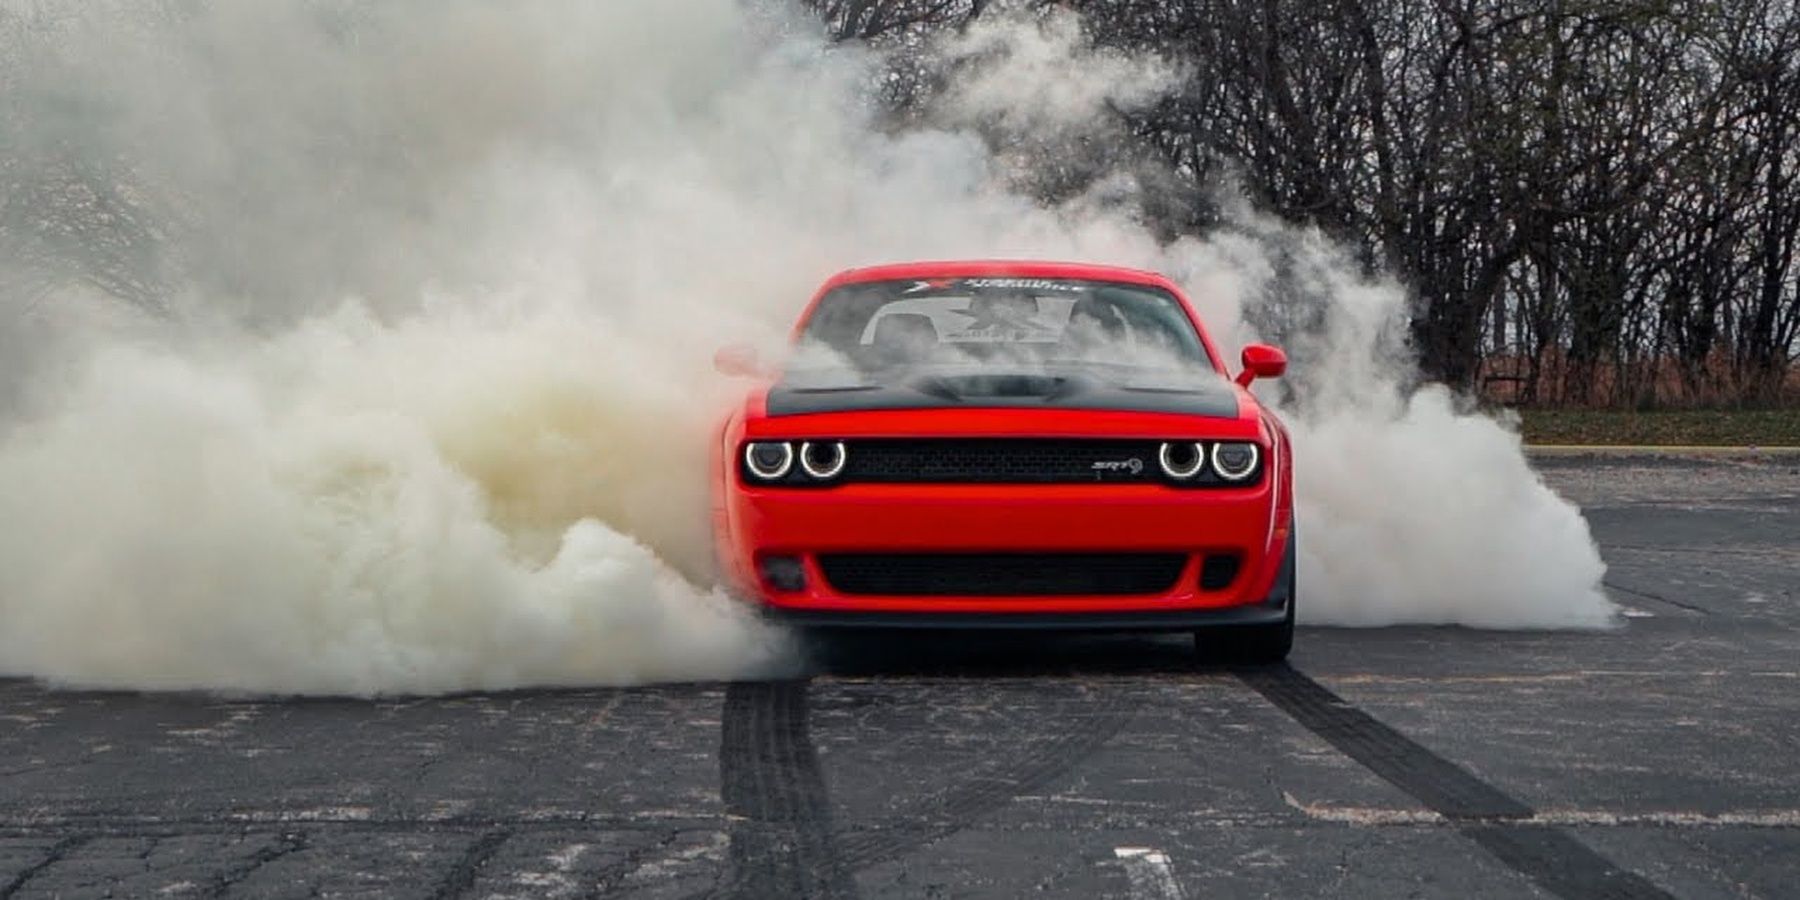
(988,461)
(1001,574)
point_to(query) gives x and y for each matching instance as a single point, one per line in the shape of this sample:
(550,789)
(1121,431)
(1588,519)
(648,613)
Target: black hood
(1196,393)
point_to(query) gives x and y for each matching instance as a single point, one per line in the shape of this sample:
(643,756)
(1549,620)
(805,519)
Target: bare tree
(1593,201)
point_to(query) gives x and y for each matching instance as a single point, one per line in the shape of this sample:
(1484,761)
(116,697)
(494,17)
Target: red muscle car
(1009,444)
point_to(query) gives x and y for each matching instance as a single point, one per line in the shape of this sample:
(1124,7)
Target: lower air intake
(1218,571)
(1001,574)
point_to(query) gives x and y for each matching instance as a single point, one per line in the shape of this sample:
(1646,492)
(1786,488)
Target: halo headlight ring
(1244,469)
(763,470)
(838,456)
(1176,470)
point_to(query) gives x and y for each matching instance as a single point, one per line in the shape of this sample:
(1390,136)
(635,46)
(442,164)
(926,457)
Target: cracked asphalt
(1661,759)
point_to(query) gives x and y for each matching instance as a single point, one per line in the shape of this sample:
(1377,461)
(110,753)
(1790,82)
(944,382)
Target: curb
(1658,450)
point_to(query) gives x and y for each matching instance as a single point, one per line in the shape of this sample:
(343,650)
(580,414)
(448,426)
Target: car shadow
(977,654)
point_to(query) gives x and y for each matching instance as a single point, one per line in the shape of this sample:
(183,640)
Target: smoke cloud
(365,348)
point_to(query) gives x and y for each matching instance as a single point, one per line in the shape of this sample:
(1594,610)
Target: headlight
(769,460)
(1181,461)
(823,461)
(1234,461)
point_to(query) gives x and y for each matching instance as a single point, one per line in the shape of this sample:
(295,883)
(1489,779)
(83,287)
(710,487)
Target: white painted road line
(1152,878)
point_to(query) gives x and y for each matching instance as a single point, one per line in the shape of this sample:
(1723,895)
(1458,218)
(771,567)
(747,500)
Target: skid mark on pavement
(1656,598)
(51,856)
(781,842)
(1500,824)
(1065,743)
(461,876)
(1585,818)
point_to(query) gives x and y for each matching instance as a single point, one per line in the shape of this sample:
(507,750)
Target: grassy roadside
(1684,427)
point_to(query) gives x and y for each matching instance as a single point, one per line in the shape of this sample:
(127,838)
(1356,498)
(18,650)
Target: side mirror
(737,361)
(1261,361)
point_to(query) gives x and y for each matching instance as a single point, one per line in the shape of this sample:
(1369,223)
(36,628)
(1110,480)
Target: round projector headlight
(824,460)
(769,460)
(1181,461)
(1234,461)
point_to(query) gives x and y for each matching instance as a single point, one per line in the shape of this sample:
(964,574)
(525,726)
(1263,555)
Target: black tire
(1255,644)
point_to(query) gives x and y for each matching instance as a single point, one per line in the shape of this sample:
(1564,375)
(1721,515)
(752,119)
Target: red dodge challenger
(1011,445)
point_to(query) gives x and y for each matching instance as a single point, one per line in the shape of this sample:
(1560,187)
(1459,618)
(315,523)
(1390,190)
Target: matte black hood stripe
(1200,397)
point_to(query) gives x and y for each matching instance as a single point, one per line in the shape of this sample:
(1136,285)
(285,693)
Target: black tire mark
(1559,863)
(461,876)
(609,881)
(1656,597)
(780,830)
(285,845)
(1443,786)
(954,809)
(51,857)
(1550,857)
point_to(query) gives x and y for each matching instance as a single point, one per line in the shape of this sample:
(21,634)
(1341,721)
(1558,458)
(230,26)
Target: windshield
(885,324)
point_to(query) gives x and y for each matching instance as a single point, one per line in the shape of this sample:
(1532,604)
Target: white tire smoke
(428,408)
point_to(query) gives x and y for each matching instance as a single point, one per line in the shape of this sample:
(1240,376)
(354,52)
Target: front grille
(1001,574)
(1001,461)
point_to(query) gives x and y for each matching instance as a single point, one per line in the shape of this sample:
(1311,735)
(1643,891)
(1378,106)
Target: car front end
(1039,445)
(1093,518)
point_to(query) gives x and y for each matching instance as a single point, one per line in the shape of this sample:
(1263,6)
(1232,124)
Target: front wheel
(1255,644)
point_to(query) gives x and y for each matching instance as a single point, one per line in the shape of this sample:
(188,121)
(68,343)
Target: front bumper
(1250,523)
(1159,620)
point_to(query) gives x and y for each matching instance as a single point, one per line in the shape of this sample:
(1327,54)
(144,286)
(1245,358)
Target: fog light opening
(783,573)
(1218,571)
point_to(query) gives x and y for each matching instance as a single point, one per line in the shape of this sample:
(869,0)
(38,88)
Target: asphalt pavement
(1660,759)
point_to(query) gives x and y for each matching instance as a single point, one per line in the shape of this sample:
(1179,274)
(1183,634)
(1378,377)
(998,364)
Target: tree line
(1591,202)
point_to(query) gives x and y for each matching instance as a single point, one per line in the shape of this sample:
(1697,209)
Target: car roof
(1015,268)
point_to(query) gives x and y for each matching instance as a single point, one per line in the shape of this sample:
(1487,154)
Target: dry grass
(1676,427)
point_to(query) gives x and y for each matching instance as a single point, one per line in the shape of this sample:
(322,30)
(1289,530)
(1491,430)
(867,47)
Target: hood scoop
(993,386)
